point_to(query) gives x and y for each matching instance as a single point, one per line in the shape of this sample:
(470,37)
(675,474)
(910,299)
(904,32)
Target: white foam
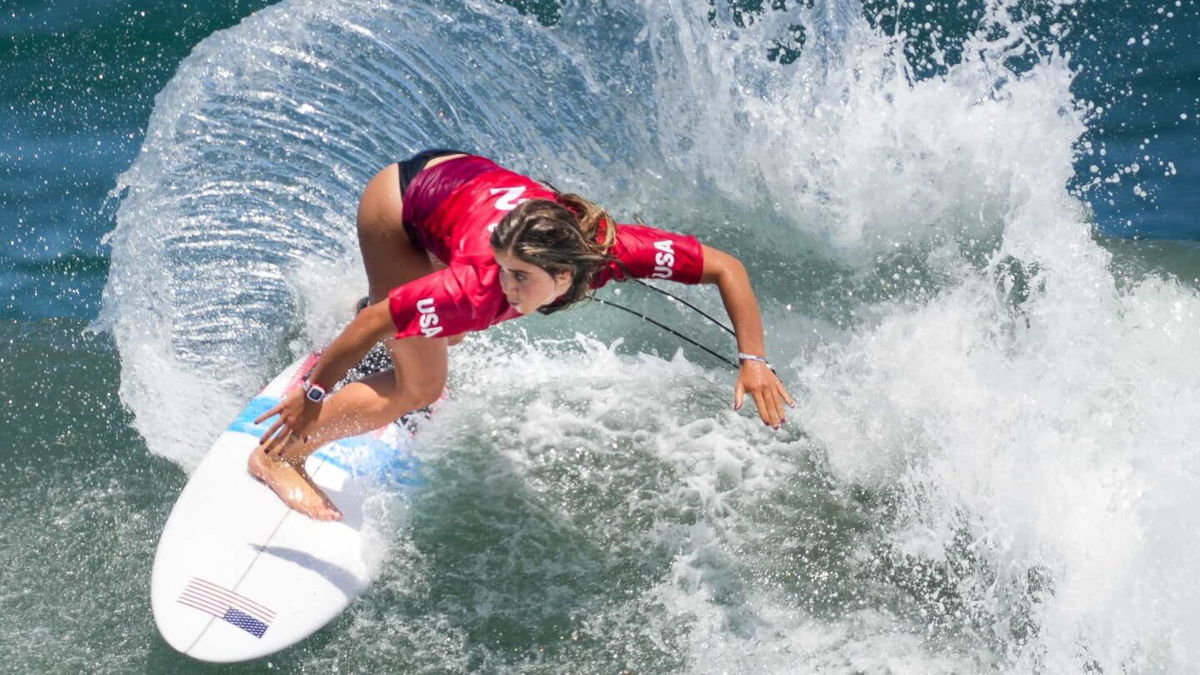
(1019,418)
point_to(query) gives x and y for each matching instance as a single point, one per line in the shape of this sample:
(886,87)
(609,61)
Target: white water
(997,465)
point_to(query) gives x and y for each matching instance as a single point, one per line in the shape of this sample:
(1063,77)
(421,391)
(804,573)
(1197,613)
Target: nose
(506,284)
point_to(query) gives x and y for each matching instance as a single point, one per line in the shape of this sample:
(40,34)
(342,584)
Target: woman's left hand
(769,394)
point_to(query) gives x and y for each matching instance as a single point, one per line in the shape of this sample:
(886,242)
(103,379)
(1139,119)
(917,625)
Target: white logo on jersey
(511,199)
(664,260)
(429,318)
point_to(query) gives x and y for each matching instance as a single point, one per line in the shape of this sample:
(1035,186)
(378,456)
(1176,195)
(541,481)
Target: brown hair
(559,236)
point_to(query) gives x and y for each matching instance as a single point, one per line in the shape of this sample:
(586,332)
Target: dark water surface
(971,224)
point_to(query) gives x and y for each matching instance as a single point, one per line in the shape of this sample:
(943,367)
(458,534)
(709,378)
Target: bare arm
(754,377)
(371,325)
(295,411)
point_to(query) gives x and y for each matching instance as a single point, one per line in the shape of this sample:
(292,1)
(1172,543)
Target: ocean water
(971,226)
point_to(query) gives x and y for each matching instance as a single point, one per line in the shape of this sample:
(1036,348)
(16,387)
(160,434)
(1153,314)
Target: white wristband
(751,357)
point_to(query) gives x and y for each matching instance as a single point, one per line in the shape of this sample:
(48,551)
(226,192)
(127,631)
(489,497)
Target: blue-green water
(971,226)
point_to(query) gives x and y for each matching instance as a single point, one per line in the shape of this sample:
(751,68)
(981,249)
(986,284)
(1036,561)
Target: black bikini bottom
(412,166)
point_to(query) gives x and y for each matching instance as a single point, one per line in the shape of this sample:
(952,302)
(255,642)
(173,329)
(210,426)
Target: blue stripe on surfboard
(257,406)
(363,455)
(374,458)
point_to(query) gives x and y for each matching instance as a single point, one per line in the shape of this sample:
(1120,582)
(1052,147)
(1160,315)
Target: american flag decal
(227,606)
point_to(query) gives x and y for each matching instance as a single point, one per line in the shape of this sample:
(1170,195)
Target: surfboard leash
(686,304)
(670,330)
(724,359)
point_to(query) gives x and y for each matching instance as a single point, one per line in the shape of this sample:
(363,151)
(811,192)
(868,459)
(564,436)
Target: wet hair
(559,236)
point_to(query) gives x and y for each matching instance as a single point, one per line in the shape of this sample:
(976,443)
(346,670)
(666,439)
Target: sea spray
(989,466)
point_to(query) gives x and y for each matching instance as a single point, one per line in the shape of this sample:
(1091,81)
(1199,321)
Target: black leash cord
(688,304)
(674,332)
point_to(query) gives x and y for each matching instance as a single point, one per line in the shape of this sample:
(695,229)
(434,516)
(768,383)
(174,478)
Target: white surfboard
(237,574)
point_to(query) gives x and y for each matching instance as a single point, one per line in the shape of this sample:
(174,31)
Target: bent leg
(416,382)
(358,407)
(419,376)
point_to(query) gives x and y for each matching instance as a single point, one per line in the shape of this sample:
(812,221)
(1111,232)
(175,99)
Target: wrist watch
(314,392)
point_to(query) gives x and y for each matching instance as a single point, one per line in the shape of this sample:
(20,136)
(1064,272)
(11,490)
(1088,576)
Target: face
(528,287)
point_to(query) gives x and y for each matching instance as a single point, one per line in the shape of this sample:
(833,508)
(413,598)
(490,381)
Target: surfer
(454,243)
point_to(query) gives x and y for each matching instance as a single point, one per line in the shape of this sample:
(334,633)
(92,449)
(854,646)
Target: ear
(563,280)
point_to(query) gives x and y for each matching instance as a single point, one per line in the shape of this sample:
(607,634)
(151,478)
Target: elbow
(732,273)
(736,268)
(375,321)
(721,268)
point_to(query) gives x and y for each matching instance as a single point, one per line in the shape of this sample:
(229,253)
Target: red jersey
(466,296)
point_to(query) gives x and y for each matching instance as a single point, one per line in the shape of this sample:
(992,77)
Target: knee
(422,394)
(426,398)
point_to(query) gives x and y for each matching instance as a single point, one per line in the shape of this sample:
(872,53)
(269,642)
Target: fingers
(775,402)
(765,410)
(770,397)
(293,449)
(274,446)
(270,413)
(270,431)
(770,406)
(287,438)
(783,393)
(774,408)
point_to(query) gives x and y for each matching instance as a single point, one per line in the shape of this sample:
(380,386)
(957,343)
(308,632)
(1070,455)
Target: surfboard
(237,575)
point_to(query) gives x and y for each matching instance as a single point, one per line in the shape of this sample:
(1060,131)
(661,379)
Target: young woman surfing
(507,246)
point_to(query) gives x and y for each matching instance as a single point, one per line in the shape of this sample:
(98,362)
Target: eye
(519,276)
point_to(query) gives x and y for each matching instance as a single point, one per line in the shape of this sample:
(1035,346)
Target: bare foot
(293,485)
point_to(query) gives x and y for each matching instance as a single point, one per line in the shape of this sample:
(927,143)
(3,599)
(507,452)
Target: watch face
(314,394)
